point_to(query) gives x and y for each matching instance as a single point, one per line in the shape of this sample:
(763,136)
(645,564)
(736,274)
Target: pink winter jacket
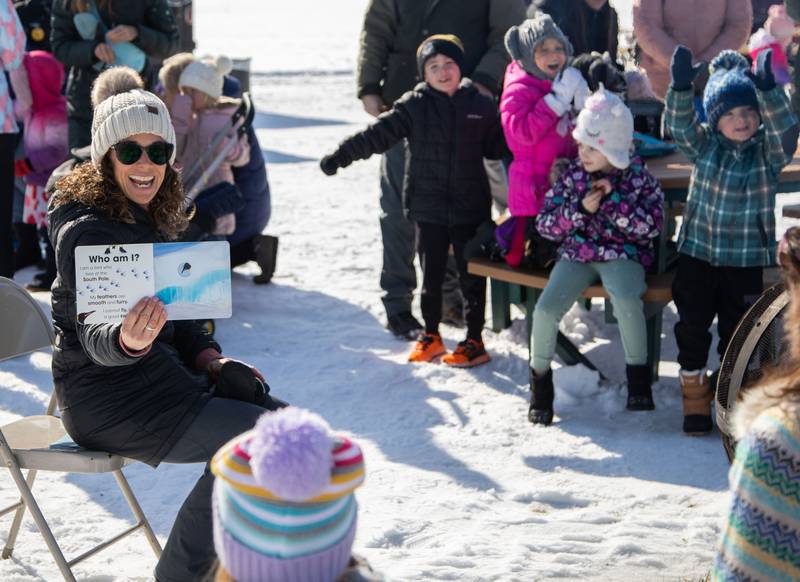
(707,27)
(195,132)
(43,110)
(535,135)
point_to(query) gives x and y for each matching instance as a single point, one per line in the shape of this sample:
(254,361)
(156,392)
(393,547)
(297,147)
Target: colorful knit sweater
(624,226)
(762,538)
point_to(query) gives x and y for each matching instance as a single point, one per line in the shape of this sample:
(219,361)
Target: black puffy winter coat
(137,407)
(448,137)
(157,37)
(393,29)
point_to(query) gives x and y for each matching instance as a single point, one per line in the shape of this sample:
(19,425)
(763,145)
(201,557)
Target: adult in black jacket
(387,68)
(142,388)
(148,24)
(590,25)
(449,127)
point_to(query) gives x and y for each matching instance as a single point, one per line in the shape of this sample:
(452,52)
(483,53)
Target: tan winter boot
(697,397)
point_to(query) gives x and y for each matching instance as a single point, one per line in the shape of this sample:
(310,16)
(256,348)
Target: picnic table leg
(501,304)
(654,322)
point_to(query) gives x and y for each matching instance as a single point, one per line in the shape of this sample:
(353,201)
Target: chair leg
(17,521)
(41,523)
(137,511)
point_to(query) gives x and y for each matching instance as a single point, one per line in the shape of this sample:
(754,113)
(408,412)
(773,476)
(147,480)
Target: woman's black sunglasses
(129,152)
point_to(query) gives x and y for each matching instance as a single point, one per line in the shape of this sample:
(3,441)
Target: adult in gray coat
(146,388)
(387,68)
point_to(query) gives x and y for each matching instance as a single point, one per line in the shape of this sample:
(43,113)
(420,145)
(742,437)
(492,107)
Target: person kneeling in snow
(605,210)
(289,469)
(450,127)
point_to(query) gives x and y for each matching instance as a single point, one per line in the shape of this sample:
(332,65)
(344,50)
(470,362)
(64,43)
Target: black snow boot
(640,389)
(541,408)
(266,250)
(27,251)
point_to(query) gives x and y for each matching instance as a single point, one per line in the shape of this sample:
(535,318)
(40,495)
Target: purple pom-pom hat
(283,500)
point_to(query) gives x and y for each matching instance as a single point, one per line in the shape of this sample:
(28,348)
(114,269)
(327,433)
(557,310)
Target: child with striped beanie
(284,508)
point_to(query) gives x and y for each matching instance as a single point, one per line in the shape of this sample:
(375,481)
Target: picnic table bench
(522,287)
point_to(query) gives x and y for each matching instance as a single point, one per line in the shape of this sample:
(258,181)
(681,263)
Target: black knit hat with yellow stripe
(448,45)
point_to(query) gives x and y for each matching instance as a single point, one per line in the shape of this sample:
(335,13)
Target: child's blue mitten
(86,24)
(763,78)
(127,54)
(681,68)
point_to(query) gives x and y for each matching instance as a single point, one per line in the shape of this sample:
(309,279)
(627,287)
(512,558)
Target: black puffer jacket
(448,137)
(158,38)
(587,29)
(135,407)
(393,29)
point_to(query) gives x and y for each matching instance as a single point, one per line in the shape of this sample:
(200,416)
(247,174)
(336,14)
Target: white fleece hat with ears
(206,75)
(606,124)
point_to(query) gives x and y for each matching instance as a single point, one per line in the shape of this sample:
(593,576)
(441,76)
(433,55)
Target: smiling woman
(147,389)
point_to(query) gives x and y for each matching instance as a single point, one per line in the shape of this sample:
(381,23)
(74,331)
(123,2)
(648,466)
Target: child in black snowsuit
(449,127)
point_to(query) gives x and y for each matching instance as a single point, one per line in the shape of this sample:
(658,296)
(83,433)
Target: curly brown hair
(98,189)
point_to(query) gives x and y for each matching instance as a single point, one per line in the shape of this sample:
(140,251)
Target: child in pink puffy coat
(43,110)
(540,98)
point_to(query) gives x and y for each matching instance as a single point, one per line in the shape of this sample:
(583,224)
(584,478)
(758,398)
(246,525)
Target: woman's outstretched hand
(143,324)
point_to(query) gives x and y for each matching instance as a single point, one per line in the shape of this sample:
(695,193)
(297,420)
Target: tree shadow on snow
(320,353)
(266,120)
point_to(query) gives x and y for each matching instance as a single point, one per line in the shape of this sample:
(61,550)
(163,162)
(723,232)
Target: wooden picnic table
(674,172)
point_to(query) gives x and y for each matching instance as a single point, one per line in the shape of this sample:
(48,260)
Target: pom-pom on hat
(120,116)
(283,501)
(521,41)
(728,86)
(448,45)
(606,124)
(206,75)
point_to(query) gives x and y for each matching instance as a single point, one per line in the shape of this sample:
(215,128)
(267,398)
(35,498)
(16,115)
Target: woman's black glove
(681,68)
(763,78)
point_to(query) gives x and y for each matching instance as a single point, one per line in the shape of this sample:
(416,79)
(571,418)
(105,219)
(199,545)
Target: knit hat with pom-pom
(728,86)
(283,501)
(207,75)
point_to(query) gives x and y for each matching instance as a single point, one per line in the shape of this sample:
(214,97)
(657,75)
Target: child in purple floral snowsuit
(605,210)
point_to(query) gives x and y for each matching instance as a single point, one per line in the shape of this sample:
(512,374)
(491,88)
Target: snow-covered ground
(460,486)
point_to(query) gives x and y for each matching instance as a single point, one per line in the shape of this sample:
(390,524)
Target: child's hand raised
(682,71)
(591,202)
(763,78)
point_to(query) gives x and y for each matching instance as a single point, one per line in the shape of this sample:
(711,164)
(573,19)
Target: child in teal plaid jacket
(728,231)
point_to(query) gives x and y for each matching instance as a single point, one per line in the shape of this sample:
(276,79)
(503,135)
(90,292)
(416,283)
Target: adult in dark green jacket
(590,25)
(387,68)
(148,24)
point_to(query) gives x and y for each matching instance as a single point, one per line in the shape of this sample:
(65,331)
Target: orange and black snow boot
(697,397)
(428,347)
(468,354)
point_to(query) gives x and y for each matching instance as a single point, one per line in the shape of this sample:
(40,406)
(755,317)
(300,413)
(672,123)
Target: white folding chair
(37,443)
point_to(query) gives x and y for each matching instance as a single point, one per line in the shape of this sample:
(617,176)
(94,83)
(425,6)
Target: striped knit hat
(284,508)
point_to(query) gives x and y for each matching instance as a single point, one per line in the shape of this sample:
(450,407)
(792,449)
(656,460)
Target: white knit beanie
(606,124)
(206,75)
(125,114)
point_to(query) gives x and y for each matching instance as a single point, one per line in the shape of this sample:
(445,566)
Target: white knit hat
(125,114)
(606,124)
(206,75)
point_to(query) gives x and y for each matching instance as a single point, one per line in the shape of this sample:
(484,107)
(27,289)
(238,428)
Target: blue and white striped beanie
(728,86)
(283,503)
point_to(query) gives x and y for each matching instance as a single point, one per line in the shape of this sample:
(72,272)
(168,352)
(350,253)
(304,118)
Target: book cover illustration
(193,280)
